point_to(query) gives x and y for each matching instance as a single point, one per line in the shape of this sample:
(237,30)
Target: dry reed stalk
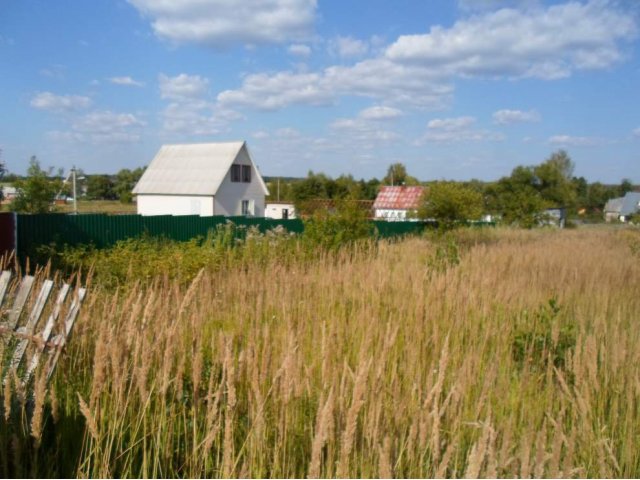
(349,432)
(228,444)
(40,394)
(323,420)
(478,452)
(89,418)
(385,469)
(7,397)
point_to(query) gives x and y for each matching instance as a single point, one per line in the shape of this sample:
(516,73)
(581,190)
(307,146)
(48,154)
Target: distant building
(280,210)
(8,193)
(556,216)
(397,203)
(202,179)
(622,208)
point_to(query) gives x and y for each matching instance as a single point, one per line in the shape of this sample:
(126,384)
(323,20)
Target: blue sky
(454,90)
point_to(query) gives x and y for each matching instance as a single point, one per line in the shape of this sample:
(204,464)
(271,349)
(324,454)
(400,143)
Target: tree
(625,186)
(554,180)
(396,174)
(516,198)
(125,181)
(100,187)
(36,192)
(450,203)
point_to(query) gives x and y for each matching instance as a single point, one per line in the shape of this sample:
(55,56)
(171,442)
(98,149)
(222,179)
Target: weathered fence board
(17,338)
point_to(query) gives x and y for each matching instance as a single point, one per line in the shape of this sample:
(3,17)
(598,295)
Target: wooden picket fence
(23,346)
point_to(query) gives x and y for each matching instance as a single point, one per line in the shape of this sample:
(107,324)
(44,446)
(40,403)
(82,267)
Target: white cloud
(222,23)
(107,126)
(457,130)
(182,87)
(260,135)
(375,78)
(363,131)
(574,141)
(346,47)
(636,132)
(126,81)
(299,50)
(545,43)
(59,103)
(287,132)
(419,70)
(483,5)
(380,113)
(190,111)
(506,117)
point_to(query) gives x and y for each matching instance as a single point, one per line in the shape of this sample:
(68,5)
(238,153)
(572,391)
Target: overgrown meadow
(477,353)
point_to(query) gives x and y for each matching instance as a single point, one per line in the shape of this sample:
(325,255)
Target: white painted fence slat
(62,339)
(18,304)
(4,283)
(46,332)
(34,317)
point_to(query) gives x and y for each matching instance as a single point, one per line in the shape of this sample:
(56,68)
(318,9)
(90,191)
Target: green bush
(540,337)
(349,224)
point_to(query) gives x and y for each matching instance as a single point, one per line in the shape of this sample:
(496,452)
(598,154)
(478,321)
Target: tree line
(517,198)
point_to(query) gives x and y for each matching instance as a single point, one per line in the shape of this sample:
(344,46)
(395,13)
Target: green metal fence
(104,230)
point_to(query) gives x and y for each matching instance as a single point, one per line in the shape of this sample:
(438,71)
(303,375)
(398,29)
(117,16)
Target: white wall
(230,194)
(390,215)
(274,210)
(175,205)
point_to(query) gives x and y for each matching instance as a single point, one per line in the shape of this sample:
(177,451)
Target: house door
(285,214)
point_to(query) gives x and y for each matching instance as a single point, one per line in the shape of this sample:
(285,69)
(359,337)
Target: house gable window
(235,173)
(246,173)
(241,173)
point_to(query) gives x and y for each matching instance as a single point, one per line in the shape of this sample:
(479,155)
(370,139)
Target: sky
(453,89)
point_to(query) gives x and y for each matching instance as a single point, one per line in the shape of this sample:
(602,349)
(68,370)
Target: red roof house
(395,203)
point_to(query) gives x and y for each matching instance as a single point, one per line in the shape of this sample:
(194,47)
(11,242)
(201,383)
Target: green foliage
(125,181)
(626,185)
(450,203)
(145,258)
(344,227)
(35,193)
(101,187)
(553,180)
(540,337)
(397,175)
(447,254)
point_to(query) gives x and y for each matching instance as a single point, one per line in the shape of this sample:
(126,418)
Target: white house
(202,179)
(397,203)
(280,210)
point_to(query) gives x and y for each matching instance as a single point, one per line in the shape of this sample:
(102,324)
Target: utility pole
(278,188)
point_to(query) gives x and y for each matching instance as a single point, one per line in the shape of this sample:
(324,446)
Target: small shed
(280,210)
(397,203)
(202,179)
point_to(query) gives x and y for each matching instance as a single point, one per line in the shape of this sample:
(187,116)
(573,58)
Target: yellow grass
(370,364)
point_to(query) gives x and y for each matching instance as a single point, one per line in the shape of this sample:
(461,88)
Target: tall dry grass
(520,358)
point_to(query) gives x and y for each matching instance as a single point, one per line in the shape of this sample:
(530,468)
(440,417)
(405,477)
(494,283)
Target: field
(90,206)
(482,353)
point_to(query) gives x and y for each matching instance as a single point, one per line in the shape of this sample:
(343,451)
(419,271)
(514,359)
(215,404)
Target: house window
(241,173)
(235,173)
(245,207)
(246,173)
